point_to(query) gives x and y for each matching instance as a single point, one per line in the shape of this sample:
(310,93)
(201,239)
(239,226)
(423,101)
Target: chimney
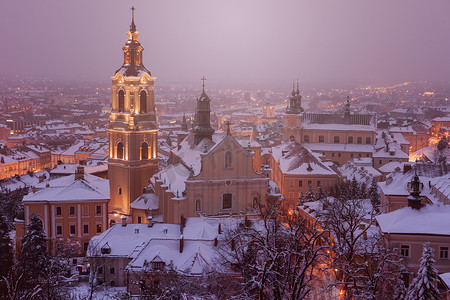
(181,243)
(41,178)
(34,189)
(406,168)
(219,229)
(216,242)
(232,245)
(150,221)
(79,174)
(124,221)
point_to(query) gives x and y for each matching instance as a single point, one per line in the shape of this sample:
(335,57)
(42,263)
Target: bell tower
(132,128)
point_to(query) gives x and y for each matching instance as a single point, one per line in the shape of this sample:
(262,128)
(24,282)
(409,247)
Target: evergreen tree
(310,195)
(354,188)
(373,194)
(400,290)
(363,191)
(301,199)
(422,287)
(321,193)
(6,254)
(34,249)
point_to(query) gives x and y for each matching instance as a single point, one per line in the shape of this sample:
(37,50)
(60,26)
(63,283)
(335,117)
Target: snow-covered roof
(430,219)
(293,158)
(339,147)
(68,188)
(146,201)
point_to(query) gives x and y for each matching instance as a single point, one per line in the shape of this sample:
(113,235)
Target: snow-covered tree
(310,195)
(301,198)
(400,290)
(354,188)
(34,249)
(6,254)
(423,285)
(373,195)
(321,193)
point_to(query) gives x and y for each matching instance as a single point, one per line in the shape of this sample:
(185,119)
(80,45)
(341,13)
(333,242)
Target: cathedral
(132,128)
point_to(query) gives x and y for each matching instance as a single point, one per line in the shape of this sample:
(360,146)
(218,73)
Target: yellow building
(132,128)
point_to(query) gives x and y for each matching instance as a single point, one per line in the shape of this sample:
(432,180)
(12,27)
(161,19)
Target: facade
(339,138)
(210,174)
(132,128)
(295,169)
(73,209)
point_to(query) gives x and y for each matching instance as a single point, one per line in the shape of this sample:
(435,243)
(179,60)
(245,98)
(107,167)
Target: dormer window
(106,249)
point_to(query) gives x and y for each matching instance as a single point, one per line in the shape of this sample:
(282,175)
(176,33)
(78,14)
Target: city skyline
(251,42)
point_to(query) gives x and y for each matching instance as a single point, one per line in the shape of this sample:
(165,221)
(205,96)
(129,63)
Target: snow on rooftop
(430,219)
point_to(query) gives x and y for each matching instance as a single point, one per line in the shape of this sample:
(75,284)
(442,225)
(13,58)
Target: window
(72,210)
(100,270)
(144,151)
(198,205)
(443,252)
(404,250)
(227,201)
(99,228)
(85,246)
(112,270)
(139,220)
(121,101)
(318,183)
(380,161)
(321,139)
(58,211)
(98,209)
(72,229)
(350,140)
(120,191)
(300,183)
(336,140)
(228,158)
(85,228)
(255,202)
(351,155)
(339,154)
(368,140)
(143,102)
(59,230)
(85,210)
(359,140)
(332,154)
(157,265)
(119,150)
(309,182)
(367,155)
(306,139)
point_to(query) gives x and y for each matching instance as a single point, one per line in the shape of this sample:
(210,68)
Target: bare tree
(278,256)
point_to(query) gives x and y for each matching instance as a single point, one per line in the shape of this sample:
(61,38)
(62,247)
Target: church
(209,174)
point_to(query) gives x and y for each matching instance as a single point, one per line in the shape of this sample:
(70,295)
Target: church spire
(132,26)
(203,117)
(347,108)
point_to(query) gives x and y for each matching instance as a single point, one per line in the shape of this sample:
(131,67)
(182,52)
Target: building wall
(85,214)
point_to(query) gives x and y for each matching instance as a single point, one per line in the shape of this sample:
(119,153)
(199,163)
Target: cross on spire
(132,26)
(203,79)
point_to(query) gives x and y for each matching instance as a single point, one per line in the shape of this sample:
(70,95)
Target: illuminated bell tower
(132,128)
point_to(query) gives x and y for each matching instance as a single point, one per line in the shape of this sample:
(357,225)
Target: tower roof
(133,53)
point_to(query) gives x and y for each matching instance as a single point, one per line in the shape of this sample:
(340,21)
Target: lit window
(99,228)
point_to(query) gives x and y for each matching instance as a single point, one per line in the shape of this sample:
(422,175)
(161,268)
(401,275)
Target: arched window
(350,140)
(143,102)
(359,140)
(198,205)
(306,139)
(255,202)
(121,101)
(336,139)
(368,140)
(144,151)
(228,159)
(321,139)
(120,150)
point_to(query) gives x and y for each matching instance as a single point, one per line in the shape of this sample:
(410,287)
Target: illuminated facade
(132,127)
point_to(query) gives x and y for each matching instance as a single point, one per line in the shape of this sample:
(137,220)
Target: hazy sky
(230,41)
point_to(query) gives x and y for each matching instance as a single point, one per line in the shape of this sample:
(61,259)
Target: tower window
(120,150)
(336,139)
(143,102)
(350,140)
(144,151)
(198,205)
(228,159)
(121,101)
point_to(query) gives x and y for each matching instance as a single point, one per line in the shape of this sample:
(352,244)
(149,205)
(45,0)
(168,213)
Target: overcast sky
(230,41)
